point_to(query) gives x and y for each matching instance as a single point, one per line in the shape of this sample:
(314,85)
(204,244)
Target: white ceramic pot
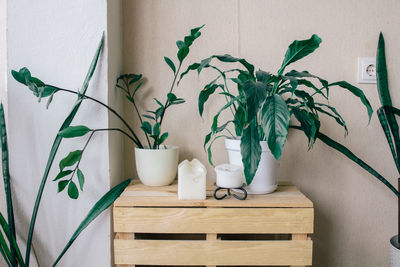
(394,252)
(229,176)
(264,181)
(157,167)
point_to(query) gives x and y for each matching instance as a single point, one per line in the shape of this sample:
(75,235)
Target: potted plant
(156,163)
(261,108)
(10,250)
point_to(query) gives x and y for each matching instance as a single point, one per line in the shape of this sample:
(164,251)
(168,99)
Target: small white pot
(229,176)
(157,167)
(394,252)
(264,181)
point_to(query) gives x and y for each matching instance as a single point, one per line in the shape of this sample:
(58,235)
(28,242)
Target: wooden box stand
(153,227)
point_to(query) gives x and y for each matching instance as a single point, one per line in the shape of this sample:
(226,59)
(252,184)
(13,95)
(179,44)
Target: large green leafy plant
(263,103)
(10,251)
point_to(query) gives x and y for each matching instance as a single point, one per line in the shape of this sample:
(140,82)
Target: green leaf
(308,124)
(81,178)
(162,138)
(182,53)
(171,97)
(146,127)
(6,230)
(209,152)
(346,152)
(188,40)
(229,58)
(73,190)
(22,76)
(251,150)
(215,119)
(263,76)
(72,158)
(381,73)
(204,63)
(74,131)
(170,63)
(275,118)
(180,44)
(62,184)
(299,49)
(335,115)
(7,184)
(62,174)
(193,66)
(386,129)
(255,93)
(206,140)
(196,30)
(156,129)
(357,92)
(97,209)
(204,95)
(56,144)
(306,74)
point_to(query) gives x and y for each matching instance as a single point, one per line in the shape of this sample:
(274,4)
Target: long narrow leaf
(382,115)
(7,184)
(106,201)
(55,146)
(345,151)
(4,250)
(381,73)
(6,230)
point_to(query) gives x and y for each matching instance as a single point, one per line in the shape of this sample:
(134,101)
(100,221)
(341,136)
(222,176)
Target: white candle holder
(229,176)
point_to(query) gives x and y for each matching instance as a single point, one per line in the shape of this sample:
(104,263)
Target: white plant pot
(394,252)
(264,181)
(157,167)
(229,176)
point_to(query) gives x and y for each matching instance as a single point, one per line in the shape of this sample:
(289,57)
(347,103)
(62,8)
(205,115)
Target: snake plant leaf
(275,117)
(299,49)
(72,158)
(170,64)
(7,184)
(62,174)
(346,152)
(251,150)
(73,190)
(74,131)
(101,205)
(255,93)
(5,251)
(382,115)
(357,92)
(381,73)
(56,144)
(6,230)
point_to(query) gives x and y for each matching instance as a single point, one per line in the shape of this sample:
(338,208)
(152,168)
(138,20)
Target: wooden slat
(138,195)
(227,220)
(239,253)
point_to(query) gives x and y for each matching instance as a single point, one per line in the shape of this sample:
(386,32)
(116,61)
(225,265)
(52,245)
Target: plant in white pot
(261,108)
(156,163)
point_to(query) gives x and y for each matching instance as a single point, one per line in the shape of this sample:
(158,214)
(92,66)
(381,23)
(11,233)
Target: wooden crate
(153,227)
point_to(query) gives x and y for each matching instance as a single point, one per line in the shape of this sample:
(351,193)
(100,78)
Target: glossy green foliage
(263,103)
(152,120)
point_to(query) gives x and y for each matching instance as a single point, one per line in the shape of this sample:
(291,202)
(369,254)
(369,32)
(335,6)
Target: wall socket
(366,70)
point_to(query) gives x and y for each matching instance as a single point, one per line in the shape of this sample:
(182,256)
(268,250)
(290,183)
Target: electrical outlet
(366,70)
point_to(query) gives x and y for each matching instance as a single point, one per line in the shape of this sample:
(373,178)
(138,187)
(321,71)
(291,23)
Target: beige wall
(354,214)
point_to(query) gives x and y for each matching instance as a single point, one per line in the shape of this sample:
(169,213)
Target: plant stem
(83,150)
(116,129)
(137,111)
(135,139)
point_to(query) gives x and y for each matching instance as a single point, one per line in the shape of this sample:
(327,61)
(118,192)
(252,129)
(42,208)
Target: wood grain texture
(227,220)
(139,195)
(239,253)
